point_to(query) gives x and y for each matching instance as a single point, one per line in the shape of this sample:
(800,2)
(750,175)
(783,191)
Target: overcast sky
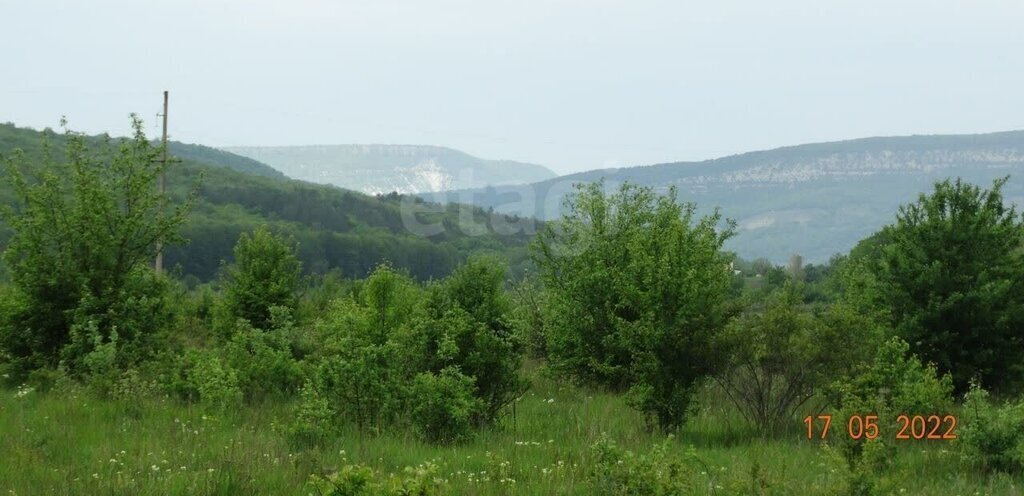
(570,84)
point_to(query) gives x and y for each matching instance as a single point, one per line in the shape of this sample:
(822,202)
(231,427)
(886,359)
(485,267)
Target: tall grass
(72,443)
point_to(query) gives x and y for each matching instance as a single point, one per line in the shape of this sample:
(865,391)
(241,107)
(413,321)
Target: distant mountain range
(377,169)
(816,200)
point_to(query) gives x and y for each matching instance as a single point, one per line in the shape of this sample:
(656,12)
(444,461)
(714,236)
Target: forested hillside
(334,228)
(815,200)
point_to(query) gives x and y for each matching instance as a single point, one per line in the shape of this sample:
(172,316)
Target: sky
(571,84)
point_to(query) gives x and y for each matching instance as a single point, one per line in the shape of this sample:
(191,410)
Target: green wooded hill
(334,228)
(816,200)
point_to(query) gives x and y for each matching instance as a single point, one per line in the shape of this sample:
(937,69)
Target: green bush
(992,436)
(263,363)
(313,420)
(363,384)
(132,387)
(443,406)
(390,298)
(214,381)
(615,471)
(134,322)
(265,274)
(784,354)
(639,288)
(357,365)
(895,384)
(529,316)
(85,229)
(392,350)
(16,358)
(465,324)
(360,480)
(101,363)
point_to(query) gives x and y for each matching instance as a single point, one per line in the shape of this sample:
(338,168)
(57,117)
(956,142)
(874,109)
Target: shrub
(363,384)
(265,274)
(639,289)
(101,363)
(313,420)
(992,436)
(618,472)
(134,322)
(358,365)
(390,351)
(132,386)
(782,356)
(84,231)
(215,382)
(465,325)
(528,316)
(17,357)
(389,297)
(360,480)
(895,384)
(443,406)
(263,363)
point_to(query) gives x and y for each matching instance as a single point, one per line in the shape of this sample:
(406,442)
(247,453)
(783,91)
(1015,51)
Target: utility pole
(159,265)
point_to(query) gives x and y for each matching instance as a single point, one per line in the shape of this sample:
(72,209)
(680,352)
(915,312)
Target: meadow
(74,443)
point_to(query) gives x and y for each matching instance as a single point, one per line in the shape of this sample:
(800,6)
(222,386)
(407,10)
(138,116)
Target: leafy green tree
(639,290)
(83,228)
(951,278)
(266,274)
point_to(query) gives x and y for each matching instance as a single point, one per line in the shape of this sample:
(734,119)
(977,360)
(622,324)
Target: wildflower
(156,468)
(23,391)
(210,470)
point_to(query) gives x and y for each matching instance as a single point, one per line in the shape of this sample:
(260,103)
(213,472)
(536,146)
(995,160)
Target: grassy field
(72,443)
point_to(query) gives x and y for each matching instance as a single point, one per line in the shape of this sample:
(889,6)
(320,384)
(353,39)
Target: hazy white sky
(574,84)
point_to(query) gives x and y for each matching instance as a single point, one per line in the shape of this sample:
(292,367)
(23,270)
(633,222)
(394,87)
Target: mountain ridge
(815,199)
(383,168)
